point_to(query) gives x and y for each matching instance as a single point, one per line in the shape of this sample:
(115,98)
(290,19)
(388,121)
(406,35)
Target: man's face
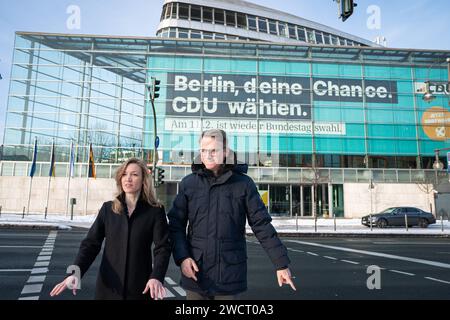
(212,153)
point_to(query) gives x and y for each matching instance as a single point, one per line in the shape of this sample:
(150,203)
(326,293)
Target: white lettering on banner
(322,88)
(181,124)
(193,105)
(216,84)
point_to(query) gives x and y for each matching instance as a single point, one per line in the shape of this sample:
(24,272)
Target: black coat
(215,210)
(126,264)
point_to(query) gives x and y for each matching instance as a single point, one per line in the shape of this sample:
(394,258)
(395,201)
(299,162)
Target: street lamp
(428,95)
(438,165)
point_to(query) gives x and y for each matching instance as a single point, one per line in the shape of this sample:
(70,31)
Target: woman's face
(132,179)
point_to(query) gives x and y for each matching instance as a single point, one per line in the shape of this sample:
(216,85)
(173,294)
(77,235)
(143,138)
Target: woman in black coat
(130,224)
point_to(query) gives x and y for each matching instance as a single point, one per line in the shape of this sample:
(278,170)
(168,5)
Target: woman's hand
(156,289)
(70,282)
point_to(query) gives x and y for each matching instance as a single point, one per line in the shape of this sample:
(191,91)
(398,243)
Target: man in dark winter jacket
(214,202)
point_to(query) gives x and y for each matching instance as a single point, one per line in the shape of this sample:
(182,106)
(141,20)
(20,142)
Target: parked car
(396,217)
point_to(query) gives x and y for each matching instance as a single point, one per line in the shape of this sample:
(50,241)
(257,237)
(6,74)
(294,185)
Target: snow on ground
(282,225)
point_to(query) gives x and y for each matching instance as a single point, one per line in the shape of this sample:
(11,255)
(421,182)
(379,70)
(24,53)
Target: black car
(396,217)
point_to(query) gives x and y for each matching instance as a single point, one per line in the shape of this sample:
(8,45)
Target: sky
(418,24)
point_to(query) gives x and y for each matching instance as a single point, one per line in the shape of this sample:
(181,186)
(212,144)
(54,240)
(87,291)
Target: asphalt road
(33,261)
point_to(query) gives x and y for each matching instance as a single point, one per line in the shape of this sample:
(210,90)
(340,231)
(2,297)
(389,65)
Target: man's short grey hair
(216,134)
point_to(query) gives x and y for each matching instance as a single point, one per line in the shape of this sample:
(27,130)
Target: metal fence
(174,173)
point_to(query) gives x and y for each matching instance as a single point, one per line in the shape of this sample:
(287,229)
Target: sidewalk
(284,226)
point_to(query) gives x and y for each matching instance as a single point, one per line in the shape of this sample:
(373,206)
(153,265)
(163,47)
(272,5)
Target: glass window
(207,35)
(231,18)
(219,16)
(262,24)
(334,40)
(326,38)
(196,13)
(241,21)
(251,23)
(292,34)
(310,36)
(350,43)
(184,11)
(168,10)
(319,37)
(273,27)
(301,33)
(282,29)
(172,33)
(183,33)
(196,34)
(219,36)
(207,15)
(174,11)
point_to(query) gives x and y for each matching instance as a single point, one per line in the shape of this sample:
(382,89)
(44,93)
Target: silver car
(397,217)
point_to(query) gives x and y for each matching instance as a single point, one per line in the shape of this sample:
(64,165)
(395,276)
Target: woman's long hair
(147,191)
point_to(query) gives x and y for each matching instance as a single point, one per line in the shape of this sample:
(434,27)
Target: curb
(356,235)
(34,227)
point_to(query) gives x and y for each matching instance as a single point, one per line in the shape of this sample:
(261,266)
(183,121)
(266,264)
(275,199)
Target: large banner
(266,97)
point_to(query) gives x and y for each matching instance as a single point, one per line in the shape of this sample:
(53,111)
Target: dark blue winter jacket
(214,210)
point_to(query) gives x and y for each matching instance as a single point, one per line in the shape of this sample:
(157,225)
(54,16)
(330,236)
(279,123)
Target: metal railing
(175,173)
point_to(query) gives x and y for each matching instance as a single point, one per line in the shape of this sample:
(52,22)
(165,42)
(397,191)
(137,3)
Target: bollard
(370,217)
(315,223)
(442,223)
(0,211)
(334,217)
(71,210)
(23,213)
(406,221)
(45,217)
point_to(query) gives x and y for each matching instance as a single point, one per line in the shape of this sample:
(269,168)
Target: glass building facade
(299,115)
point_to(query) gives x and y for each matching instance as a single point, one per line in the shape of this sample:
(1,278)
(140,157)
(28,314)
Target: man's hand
(70,282)
(189,268)
(284,277)
(156,289)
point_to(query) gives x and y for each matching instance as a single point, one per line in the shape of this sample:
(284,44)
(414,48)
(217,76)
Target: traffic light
(347,9)
(160,176)
(154,88)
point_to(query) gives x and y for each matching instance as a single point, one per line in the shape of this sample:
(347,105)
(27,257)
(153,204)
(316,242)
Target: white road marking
(43,258)
(32,288)
(376,254)
(170,281)
(438,280)
(169,294)
(19,247)
(15,270)
(402,272)
(349,261)
(331,258)
(39,270)
(312,253)
(295,250)
(40,267)
(180,291)
(32,279)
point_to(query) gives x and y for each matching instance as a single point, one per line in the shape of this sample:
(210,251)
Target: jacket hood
(230,164)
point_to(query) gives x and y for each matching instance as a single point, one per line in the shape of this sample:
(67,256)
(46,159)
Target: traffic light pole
(155,150)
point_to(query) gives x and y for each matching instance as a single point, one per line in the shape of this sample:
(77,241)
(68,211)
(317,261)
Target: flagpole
(87,181)
(32,170)
(29,196)
(71,159)
(51,172)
